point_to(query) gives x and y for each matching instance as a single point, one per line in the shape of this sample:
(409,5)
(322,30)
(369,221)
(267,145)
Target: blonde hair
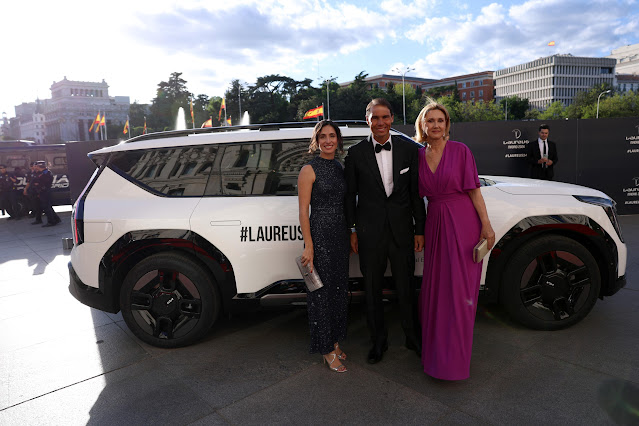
(420,132)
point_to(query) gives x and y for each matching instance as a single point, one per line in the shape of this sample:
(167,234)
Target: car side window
(268,168)
(174,172)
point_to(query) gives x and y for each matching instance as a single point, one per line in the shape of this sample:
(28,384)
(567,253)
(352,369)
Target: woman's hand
(488,233)
(307,257)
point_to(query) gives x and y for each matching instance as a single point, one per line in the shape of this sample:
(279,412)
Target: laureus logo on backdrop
(633,140)
(515,143)
(632,192)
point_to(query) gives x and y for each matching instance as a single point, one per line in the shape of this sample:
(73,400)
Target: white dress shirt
(543,149)
(385,164)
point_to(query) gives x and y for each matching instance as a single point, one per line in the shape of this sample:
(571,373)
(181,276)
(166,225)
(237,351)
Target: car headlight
(609,206)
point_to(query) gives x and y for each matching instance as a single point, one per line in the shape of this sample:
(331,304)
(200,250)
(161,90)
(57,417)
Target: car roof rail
(259,127)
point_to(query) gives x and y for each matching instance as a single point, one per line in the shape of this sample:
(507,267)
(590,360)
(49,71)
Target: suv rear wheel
(550,283)
(168,300)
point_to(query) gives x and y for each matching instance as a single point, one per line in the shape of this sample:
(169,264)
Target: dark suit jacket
(368,207)
(533,155)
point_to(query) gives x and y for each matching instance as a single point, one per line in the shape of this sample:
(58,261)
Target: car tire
(550,283)
(168,300)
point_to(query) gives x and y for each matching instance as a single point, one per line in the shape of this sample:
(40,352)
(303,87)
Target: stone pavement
(63,363)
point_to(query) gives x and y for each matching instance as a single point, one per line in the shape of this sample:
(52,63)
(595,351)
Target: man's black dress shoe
(376,353)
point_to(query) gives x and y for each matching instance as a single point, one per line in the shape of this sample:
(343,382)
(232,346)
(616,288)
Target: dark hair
(314,145)
(378,101)
(544,126)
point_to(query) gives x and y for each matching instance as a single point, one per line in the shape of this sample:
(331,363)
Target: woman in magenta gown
(456,220)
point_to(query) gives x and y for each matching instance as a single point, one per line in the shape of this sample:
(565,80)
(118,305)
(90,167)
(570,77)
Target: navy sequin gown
(328,306)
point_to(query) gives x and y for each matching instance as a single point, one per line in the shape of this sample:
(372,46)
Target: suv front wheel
(168,300)
(550,283)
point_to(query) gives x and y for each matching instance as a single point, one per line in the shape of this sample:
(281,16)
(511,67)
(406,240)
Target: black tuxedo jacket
(367,206)
(533,155)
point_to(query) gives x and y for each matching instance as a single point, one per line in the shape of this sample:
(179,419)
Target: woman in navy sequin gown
(322,187)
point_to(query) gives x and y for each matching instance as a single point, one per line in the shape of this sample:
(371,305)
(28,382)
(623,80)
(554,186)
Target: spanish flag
(315,112)
(223,106)
(144,130)
(192,119)
(126,127)
(207,123)
(96,121)
(552,43)
(228,121)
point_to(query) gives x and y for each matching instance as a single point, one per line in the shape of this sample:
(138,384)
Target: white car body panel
(110,213)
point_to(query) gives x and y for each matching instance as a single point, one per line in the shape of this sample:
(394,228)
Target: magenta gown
(450,286)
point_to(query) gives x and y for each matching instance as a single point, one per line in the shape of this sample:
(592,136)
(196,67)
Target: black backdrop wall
(601,154)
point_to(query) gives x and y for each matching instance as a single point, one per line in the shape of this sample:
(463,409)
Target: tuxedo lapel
(371,161)
(397,161)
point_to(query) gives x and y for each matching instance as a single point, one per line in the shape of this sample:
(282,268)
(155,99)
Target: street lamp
(328,89)
(403,73)
(599,97)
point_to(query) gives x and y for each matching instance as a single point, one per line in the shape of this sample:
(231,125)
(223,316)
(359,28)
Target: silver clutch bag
(312,279)
(480,251)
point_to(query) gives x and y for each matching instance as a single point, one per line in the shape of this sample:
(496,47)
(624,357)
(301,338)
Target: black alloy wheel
(550,283)
(168,300)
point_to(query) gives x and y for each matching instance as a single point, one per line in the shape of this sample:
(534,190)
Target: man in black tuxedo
(542,156)
(386,216)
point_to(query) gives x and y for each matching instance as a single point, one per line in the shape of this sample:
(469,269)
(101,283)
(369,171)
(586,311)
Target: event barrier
(598,153)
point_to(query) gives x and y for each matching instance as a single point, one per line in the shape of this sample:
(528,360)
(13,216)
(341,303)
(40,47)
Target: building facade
(627,83)
(553,78)
(74,105)
(627,58)
(382,81)
(477,87)
(32,121)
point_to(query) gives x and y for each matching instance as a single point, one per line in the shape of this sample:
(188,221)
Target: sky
(134,45)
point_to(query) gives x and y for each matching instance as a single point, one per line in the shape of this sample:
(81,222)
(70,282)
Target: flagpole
(106,136)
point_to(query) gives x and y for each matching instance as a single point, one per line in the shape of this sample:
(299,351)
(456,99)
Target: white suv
(175,228)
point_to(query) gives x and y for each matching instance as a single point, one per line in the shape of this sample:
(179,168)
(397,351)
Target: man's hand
(419,242)
(549,162)
(354,245)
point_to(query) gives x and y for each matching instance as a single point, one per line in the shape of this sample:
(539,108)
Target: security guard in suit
(42,187)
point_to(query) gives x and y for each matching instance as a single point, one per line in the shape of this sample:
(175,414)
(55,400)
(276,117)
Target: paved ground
(64,363)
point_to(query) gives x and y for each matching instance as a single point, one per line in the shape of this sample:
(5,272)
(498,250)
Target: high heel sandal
(341,355)
(340,369)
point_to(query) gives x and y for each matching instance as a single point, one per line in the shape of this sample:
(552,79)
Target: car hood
(523,186)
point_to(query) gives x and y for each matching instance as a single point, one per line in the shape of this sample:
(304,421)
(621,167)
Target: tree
(555,111)
(170,95)
(586,100)
(137,112)
(517,107)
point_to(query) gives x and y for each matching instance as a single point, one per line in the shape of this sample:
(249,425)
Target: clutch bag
(480,250)
(312,279)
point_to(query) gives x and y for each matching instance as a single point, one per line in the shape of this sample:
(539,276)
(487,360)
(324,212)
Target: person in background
(542,156)
(7,193)
(321,187)
(42,187)
(456,221)
(28,190)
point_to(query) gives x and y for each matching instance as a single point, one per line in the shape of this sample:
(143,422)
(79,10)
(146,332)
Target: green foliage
(277,98)
(171,95)
(583,102)
(555,111)
(517,107)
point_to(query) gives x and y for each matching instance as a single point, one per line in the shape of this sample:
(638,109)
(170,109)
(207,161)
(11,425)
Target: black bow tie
(379,147)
